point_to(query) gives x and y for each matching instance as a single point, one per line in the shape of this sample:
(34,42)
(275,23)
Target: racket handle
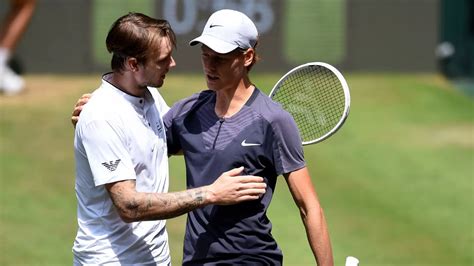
(352,261)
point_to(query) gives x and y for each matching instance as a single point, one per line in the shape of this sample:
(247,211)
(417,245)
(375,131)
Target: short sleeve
(287,148)
(105,146)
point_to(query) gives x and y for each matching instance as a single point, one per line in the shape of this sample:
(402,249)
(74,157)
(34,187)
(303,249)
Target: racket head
(316,94)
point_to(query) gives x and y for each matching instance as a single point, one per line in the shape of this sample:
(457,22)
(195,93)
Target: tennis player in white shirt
(122,158)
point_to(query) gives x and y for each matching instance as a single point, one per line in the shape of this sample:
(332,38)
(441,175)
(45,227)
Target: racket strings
(315,98)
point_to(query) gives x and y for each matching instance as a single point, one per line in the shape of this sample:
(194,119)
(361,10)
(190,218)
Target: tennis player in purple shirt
(234,124)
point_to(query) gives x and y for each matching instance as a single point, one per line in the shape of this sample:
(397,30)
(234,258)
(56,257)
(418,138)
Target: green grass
(396,182)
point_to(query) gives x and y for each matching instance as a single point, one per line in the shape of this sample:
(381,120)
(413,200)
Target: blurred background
(67,36)
(396,183)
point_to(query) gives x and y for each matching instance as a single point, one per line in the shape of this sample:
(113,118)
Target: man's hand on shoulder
(78,108)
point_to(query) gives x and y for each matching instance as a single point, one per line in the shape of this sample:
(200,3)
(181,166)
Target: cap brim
(215,44)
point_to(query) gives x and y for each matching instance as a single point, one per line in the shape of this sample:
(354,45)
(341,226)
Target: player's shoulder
(277,119)
(272,111)
(199,96)
(103,105)
(196,99)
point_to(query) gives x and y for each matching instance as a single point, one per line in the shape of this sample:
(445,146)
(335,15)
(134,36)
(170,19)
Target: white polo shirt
(119,137)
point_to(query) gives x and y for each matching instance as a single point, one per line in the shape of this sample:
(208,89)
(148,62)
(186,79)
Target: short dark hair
(136,35)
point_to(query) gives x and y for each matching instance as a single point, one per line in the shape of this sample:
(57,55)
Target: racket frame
(345,87)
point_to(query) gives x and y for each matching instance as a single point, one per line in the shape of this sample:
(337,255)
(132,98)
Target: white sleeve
(105,145)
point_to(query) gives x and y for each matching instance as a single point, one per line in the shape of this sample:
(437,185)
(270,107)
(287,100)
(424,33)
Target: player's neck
(230,101)
(127,84)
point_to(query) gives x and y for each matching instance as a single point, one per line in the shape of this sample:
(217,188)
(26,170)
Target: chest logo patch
(112,166)
(248,144)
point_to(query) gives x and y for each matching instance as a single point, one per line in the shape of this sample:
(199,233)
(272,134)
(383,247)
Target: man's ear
(131,64)
(248,57)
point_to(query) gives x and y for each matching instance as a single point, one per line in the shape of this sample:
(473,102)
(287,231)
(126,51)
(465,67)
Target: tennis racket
(317,96)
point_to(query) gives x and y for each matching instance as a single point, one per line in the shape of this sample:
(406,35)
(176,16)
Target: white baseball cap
(226,30)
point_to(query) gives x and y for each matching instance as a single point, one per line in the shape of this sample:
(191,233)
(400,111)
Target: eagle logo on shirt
(111,165)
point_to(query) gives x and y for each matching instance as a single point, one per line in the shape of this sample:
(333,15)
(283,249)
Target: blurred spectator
(11,31)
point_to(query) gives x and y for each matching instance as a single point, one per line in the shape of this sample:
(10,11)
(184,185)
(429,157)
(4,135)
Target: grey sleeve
(287,148)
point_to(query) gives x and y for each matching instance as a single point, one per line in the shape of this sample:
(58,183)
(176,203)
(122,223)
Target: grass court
(396,182)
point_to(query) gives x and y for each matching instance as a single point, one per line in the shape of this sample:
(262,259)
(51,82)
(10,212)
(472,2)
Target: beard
(155,84)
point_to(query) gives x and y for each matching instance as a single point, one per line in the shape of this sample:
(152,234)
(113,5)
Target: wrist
(208,195)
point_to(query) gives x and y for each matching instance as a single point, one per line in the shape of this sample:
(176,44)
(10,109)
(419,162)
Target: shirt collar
(138,102)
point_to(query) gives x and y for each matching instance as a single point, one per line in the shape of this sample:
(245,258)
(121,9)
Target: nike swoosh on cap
(215,25)
(245,144)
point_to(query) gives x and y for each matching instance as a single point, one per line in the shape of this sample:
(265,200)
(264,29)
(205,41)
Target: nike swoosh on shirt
(245,144)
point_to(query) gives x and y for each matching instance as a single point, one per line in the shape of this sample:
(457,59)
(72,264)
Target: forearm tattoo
(155,206)
(176,203)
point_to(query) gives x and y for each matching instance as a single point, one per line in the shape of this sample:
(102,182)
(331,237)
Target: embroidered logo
(245,144)
(112,166)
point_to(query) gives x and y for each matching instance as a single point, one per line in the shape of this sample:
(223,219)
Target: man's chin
(156,84)
(211,85)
